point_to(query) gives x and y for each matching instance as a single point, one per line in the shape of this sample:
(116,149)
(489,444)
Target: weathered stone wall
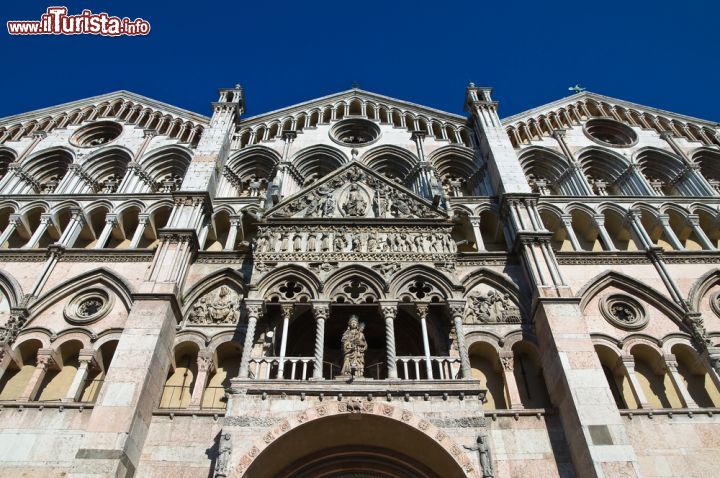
(180,446)
(38,442)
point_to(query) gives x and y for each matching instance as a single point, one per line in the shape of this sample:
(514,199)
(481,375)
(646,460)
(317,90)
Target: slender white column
(235,224)
(321,312)
(110,222)
(628,361)
(205,367)
(11,227)
(389,311)
(672,369)
(475,223)
(287,312)
(604,236)
(664,221)
(254,311)
(87,363)
(567,221)
(512,390)
(143,220)
(694,221)
(422,311)
(45,220)
(72,231)
(45,361)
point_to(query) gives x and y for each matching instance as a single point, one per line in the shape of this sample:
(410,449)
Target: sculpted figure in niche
(354,347)
(325,243)
(354,205)
(339,243)
(223,459)
(311,243)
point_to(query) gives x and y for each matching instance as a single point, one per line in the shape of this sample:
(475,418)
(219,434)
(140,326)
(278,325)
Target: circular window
(624,312)
(88,306)
(96,134)
(610,133)
(355,132)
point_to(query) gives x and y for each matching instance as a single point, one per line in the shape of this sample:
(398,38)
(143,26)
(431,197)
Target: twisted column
(321,312)
(389,311)
(254,309)
(457,310)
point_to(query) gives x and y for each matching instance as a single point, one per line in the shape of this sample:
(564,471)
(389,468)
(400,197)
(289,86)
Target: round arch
(422,448)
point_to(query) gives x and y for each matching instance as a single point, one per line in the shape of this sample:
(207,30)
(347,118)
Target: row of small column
(73,229)
(627,362)
(321,313)
(638,230)
(47,360)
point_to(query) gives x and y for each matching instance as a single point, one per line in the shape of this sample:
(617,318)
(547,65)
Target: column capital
(422,309)
(289,135)
(46,359)
(389,309)
(507,360)
(143,218)
(255,307)
(559,134)
(205,362)
(149,133)
(287,309)
(111,219)
(321,309)
(457,308)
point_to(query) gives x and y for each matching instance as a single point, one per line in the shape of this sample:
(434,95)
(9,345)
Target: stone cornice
(109,97)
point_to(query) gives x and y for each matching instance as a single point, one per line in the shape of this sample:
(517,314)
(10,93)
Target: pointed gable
(354,192)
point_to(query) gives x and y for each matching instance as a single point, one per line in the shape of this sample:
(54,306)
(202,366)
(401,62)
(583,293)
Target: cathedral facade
(359,286)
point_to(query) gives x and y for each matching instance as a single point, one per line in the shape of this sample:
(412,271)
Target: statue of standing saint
(353,347)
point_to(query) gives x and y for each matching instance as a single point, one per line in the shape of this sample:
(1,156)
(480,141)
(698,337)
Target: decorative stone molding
(715,303)
(89,306)
(623,312)
(351,407)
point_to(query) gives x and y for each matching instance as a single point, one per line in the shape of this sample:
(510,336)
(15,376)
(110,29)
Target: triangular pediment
(354,95)
(354,192)
(108,98)
(567,101)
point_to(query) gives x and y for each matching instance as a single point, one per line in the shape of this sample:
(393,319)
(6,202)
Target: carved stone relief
(218,307)
(296,243)
(354,192)
(491,307)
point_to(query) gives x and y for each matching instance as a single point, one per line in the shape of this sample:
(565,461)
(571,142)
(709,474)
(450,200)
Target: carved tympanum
(491,307)
(218,307)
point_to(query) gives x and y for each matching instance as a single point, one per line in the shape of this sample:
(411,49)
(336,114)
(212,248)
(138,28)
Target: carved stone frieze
(218,307)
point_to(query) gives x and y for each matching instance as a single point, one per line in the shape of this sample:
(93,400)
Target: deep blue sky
(659,53)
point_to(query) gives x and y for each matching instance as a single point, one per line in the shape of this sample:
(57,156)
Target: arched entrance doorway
(355,446)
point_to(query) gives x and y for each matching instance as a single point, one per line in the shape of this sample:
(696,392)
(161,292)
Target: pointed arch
(633,287)
(102,275)
(427,274)
(701,287)
(10,288)
(360,273)
(286,273)
(211,281)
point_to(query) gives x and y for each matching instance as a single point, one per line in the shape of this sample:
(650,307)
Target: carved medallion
(623,311)
(89,306)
